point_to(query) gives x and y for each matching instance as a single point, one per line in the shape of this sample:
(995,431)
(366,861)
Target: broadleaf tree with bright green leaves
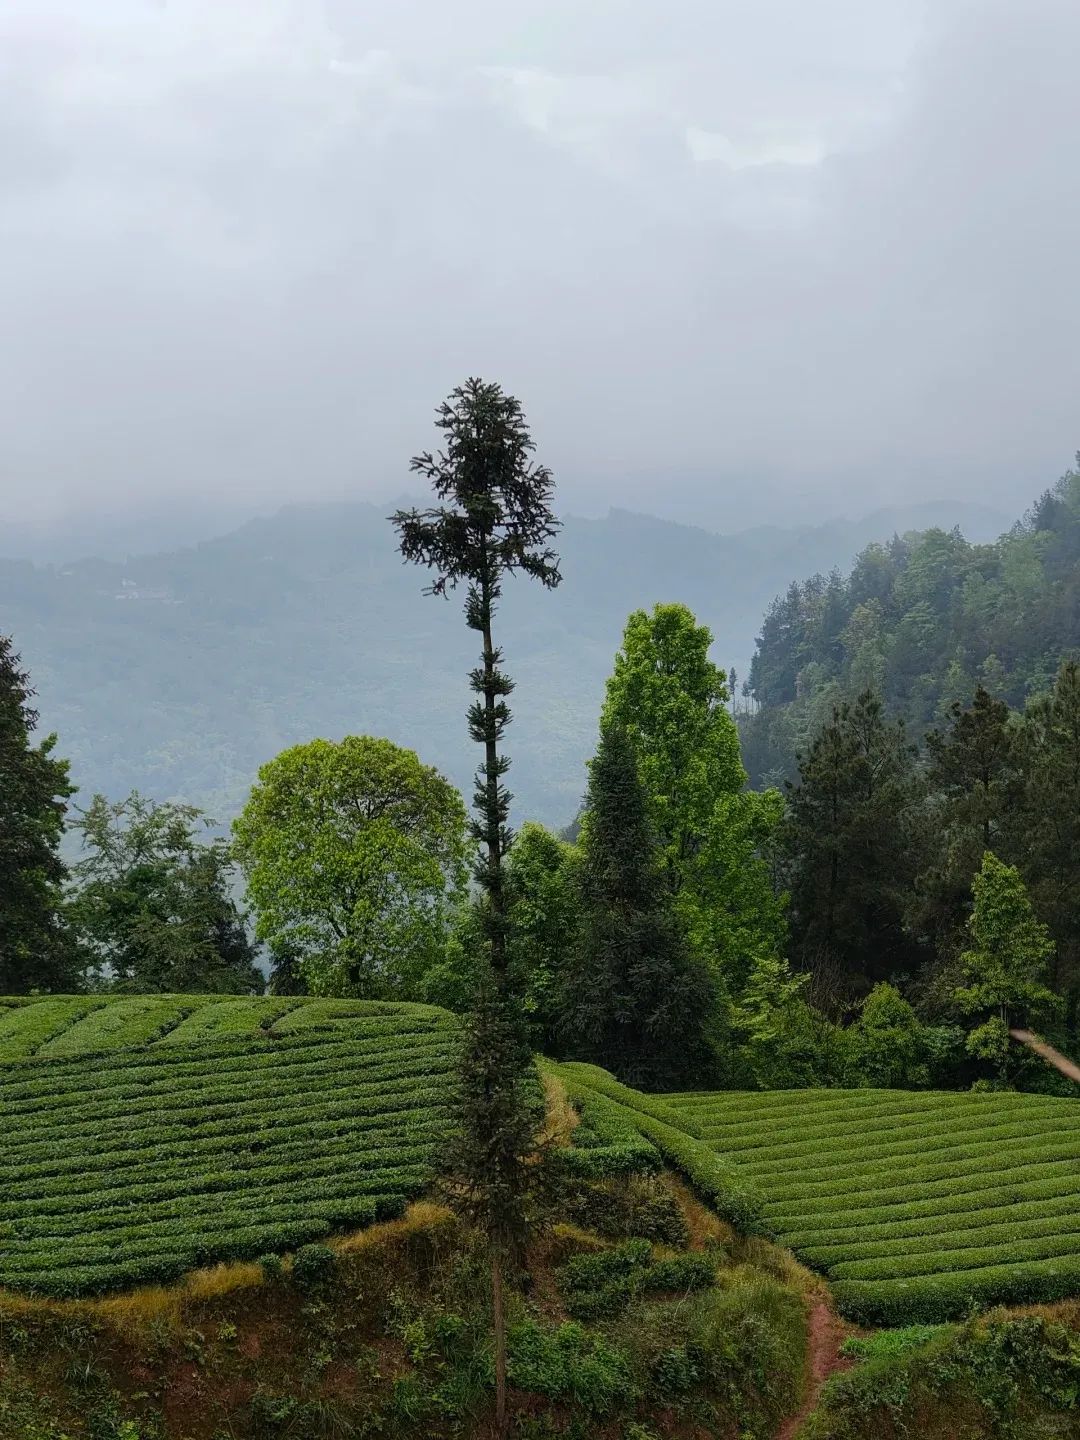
(153,906)
(355,854)
(671,700)
(1006,965)
(545,915)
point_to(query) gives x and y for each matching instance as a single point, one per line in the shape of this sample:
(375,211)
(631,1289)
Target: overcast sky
(735,256)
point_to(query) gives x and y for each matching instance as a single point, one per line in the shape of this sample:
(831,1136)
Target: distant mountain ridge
(179,673)
(923,622)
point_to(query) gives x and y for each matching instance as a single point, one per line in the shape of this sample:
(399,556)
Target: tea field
(146,1135)
(916,1205)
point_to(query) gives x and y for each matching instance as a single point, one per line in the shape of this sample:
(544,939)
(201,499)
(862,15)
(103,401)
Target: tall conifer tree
(34,790)
(847,855)
(635,999)
(494,519)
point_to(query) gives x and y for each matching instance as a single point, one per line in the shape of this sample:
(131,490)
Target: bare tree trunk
(499,1328)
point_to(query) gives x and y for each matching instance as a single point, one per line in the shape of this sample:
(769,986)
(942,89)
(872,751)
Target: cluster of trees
(923,622)
(892,853)
(148,906)
(692,931)
(884,921)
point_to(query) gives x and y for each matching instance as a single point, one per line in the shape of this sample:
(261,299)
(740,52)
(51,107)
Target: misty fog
(741,263)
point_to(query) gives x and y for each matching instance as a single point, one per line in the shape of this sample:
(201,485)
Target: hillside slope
(917,1205)
(145,1136)
(922,621)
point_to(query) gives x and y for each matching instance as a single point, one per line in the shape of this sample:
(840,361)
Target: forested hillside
(179,674)
(923,621)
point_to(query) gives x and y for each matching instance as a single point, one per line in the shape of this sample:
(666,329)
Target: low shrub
(313,1265)
(602,1285)
(568,1363)
(998,1378)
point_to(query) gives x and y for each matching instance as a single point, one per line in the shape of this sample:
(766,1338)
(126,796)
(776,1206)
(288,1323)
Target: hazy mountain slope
(180,673)
(923,621)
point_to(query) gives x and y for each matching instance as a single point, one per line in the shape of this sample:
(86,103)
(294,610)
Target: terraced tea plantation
(916,1205)
(146,1135)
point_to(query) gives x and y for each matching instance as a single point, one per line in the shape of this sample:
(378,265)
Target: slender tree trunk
(491,760)
(498,1315)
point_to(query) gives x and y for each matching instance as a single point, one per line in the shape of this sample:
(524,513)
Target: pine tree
(634,999)
(496,520)
(847,856)
(35,951)
(1045,820)
(971,766)
(971,783)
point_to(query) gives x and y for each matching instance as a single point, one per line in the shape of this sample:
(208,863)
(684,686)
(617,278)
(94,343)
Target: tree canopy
(669,698)
(35,949)
(635,998)
(495,520)
(154,909)
(1006,965)
(355,853)
(923,621)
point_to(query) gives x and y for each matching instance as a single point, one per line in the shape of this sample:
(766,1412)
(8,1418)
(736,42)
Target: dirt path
(825,1338)
(1048,1053)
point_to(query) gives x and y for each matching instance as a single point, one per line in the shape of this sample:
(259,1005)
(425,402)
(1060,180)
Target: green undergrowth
(626,1117)
(1000,1377)
(388,1334)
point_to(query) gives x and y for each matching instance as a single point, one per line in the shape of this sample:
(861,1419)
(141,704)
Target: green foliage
(126,1166)
(916,1205)
(972,781)
(601,1286)
(35,950)
(545,914)
(887,1046)
(922,621)
(847,857)
(153,908)
(633,998)
(495,520)
(1045,826)
(567,1363)
(670,699)
(1006,966)
(779,1037)
(634,1204)
(993,1379)
(726,1188)
(354,854)
(313,1265)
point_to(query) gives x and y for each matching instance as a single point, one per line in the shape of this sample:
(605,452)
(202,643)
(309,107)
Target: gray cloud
(735,259)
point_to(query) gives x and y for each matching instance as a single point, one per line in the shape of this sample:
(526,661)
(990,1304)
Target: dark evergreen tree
(971,767)
(633,997)
(286,977)
(35,948)
(971,782)
(847,855)
(495,519)
(1045,822)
